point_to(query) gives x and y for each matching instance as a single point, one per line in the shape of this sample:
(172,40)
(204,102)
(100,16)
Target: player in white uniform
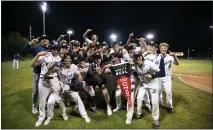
(164,61)
(48,85)
(150,55)
(69,72)
(148,83)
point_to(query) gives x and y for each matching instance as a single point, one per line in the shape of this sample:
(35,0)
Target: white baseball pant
(166,83)
(49,87)
(153,91)
(15,64)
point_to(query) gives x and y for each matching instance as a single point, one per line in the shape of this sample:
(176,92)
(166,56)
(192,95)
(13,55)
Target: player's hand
(141,39)
(89,30)
(36,40)
(171,53)
(148,76)
(108,66)
(42,53)
(131,35)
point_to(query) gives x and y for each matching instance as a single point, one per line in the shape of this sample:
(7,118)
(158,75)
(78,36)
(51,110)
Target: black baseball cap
(44,37)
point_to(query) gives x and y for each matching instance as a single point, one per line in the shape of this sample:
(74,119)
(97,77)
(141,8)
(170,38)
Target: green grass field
(193,107)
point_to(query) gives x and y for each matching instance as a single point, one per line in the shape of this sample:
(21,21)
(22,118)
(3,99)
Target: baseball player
(94,37)
(148,82)
(164,62)
(30,47)
(84,67)
(68,73)
(16,57)
(48,85)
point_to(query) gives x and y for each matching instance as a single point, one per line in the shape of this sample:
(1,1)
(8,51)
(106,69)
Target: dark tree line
(12,43)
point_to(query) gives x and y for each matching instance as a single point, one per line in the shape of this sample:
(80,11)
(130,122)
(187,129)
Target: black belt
(46,77)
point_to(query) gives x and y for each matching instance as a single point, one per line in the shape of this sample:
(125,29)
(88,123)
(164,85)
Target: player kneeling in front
(148,82)
(73,84)
(48,85)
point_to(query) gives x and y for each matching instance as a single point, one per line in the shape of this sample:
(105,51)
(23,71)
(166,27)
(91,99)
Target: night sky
(181,24)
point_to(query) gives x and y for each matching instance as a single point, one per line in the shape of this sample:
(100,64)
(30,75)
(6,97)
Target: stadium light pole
(44,8)
(113,37)
(69,33)
(188,52)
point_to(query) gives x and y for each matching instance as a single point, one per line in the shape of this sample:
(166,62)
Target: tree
(13,43)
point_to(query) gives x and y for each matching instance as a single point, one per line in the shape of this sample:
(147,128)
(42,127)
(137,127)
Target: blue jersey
(16,57)
(35,50)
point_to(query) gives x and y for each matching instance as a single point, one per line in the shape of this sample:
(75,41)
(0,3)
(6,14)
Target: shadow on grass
(26,96)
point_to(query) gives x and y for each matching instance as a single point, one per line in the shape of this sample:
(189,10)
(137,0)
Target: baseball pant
(152,89)
(147,100)
(77,99)
(166,83)
(53,98)
(15,64)
(48,87)
(35,89)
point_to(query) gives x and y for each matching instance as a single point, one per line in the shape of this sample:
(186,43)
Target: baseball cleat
(139,116)
(65,117)
(155,124)
(47,121)
(149,110)
(109,111)
(87,120)
(94,109)
(38,123)
(34,110)
(116,109)
(128,121)
(171,110)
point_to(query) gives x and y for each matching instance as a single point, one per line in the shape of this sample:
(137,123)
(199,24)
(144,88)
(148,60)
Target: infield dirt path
(201,81)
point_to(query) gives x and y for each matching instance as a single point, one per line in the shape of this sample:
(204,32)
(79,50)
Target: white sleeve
(76,69)
(88,40)
(154,66)
(171,59)
(126,55)
(40,60)
(137,49)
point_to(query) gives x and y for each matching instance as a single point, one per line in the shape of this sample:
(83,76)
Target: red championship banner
(122,72)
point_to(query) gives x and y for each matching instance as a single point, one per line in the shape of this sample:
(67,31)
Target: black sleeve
(155,74)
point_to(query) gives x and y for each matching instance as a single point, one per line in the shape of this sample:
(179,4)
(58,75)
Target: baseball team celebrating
(69,74)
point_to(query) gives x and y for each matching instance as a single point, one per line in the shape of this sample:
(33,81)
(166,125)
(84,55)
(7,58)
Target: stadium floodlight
(150,36)
(113,37)
(69,33)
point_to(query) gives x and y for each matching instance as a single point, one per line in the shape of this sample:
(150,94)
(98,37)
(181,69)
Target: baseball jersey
(168,60)
(88,41)
(46,60)
(147,67)
(68,74)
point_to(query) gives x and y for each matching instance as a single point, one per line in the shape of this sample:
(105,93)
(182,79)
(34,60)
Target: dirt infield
(201,81)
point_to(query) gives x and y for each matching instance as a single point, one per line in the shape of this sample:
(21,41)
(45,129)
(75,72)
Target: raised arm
(142,44)
(176,62)
(86,33)
(130,38)
(29,47)
(35,59)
